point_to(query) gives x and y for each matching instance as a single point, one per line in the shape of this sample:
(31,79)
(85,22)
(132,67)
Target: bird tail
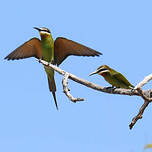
(51,82)
(52,88)
(131,87)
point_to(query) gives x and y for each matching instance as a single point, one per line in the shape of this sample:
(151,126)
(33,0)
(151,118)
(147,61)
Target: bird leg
(39,60)
(112,87)
(133,90)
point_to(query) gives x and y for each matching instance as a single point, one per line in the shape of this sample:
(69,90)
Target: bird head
(44,32)
(101,70)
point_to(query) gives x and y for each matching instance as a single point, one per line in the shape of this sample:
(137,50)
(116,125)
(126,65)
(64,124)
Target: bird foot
(112,87)
(133,90)
(39,60)
(48,63)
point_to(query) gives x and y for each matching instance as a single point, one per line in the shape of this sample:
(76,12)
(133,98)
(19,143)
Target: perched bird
(113,77)
(51,51)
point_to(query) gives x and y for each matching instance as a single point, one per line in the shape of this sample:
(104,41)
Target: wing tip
(95,53)
(98,53)
(7,58)
(11,58)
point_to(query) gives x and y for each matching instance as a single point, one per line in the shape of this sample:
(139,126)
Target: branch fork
(147,99)
(66,90)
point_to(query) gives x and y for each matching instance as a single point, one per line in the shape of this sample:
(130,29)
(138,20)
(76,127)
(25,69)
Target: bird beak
(95,72)
(37,28)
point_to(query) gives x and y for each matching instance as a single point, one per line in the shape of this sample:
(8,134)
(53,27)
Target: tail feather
(56,104)
(52,88)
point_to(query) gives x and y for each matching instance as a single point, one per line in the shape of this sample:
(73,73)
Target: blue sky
(121,30)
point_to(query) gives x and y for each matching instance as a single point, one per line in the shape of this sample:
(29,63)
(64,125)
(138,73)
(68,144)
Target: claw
(112,87)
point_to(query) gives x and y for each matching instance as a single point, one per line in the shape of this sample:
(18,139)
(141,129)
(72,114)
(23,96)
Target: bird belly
(111,81)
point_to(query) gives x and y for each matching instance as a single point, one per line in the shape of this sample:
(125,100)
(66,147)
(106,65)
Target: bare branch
(66,90)
(139,115)
(92,85)
(143,82)
(147,100)
(137,91)
(143,95)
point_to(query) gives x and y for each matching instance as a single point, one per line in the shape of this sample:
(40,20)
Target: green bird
(113,77)
(51,51)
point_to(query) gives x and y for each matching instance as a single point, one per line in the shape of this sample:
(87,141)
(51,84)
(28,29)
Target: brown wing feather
(64,47)
(31,48)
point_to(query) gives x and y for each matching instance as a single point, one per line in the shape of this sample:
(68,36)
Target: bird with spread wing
(54,52)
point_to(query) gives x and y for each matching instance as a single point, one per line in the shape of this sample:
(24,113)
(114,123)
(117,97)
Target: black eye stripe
(104,69)
(46,31)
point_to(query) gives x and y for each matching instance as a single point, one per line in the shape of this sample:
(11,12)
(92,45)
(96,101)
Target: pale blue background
(121,30)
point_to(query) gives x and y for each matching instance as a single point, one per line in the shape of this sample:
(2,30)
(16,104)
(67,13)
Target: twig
(143,82)
(66,90)
(139,115)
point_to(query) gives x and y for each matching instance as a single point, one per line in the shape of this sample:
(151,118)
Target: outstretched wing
(64,47)
(31,48)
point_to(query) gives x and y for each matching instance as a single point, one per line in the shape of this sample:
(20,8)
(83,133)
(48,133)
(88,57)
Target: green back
(118,80)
